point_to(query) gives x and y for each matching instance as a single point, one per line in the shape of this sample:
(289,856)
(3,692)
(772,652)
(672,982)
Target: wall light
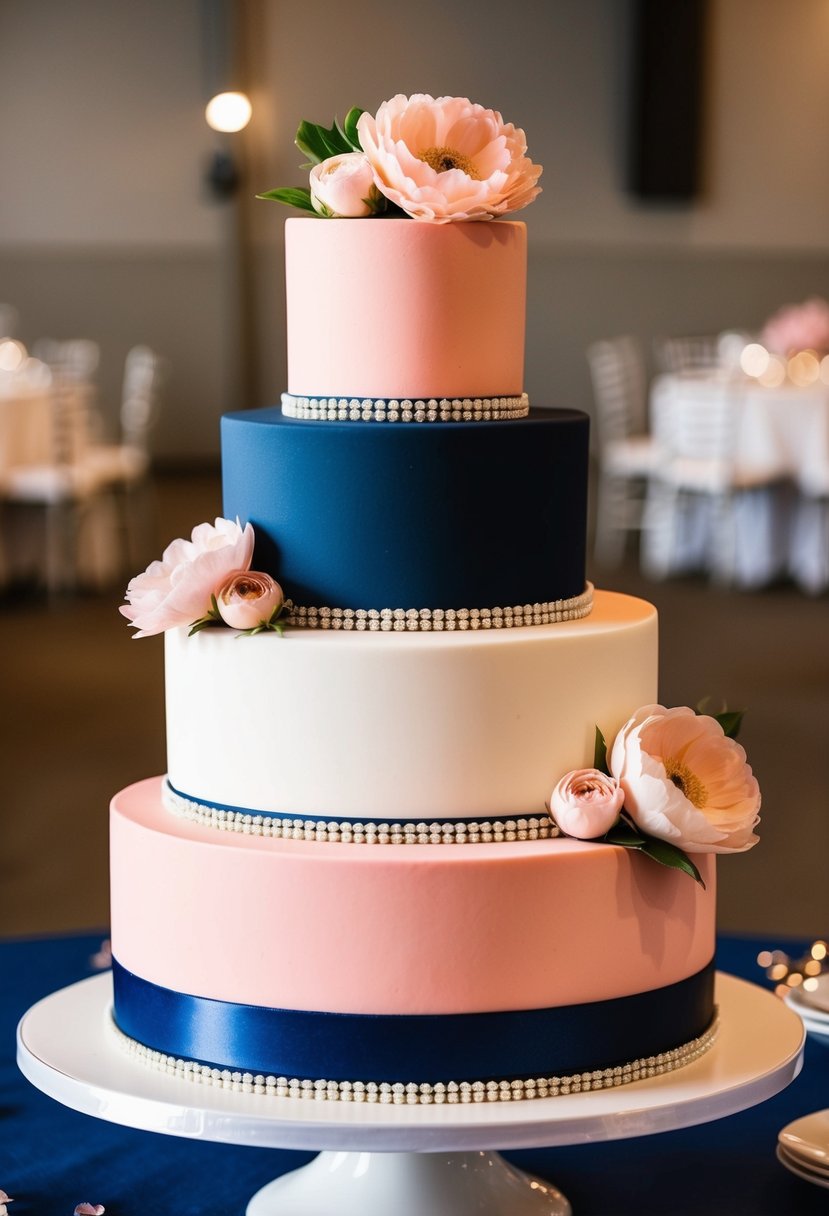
(228,111)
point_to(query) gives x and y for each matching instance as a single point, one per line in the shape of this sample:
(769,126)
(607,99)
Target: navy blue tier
(428,515)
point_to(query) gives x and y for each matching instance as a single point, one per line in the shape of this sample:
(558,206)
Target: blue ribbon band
(425,1048)
(293,817)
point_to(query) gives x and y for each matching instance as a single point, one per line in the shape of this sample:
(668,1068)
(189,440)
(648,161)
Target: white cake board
(404,1159)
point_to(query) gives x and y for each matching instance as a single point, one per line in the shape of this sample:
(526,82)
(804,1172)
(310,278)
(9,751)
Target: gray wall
(106,230)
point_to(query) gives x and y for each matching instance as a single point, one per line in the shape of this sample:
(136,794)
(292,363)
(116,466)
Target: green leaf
(349,128)
(202,623)
(730,721)
(600,752)
(669,855)
(624,834)
(318,142)
(292,196)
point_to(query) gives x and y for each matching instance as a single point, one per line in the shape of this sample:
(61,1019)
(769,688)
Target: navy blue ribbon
(293,817)
(422,1048)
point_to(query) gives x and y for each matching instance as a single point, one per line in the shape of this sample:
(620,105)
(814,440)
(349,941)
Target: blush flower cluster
(203,580)
(675,776)
(433,159)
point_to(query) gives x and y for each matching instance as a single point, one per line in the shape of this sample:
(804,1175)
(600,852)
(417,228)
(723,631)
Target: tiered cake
(348,885)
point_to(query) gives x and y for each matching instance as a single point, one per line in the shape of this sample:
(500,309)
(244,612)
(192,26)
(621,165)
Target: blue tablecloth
(51,1158)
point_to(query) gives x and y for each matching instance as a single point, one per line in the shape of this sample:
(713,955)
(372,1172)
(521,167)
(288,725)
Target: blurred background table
(51,1157)
(743,487)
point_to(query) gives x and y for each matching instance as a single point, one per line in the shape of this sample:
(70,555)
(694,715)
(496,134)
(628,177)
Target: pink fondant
(400,309)
(395,928)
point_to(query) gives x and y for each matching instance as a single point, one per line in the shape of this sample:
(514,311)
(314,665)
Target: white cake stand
(408,1160)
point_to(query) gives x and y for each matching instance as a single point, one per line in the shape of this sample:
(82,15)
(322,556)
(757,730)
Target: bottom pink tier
(552,935)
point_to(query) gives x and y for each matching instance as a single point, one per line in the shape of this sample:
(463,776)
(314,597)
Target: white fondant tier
(402,727)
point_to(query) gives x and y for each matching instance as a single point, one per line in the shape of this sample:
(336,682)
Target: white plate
(799,1171)
(816,1001)
(808,1138)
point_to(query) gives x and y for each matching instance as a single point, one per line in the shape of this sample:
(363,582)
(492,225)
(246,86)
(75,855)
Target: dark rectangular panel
(665,108)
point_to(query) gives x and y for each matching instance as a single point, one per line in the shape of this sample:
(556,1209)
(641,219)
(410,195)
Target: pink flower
(90,1209)
(444,158)
(586,803)
(248,599)
(178,589)
(798,327)
(685,781)
(344,186)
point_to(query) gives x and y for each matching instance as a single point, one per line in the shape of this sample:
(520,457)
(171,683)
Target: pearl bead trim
(380,409)
(413,1094)
(437,620)
(354,832)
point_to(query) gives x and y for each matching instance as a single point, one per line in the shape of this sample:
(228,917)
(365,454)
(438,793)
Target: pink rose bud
(343,186)
(586,803)
(248,599)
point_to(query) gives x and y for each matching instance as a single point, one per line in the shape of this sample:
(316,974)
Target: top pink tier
(398,309)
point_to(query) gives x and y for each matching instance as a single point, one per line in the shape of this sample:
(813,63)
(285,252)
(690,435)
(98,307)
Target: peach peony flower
(343,187)
(90,1209)
(586,803)
(685,781)
(444,158)
(178,589)
(248,599)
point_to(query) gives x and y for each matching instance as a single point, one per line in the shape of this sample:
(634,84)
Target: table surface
(52,1158)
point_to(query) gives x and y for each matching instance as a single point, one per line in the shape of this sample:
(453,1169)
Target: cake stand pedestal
(404,1159)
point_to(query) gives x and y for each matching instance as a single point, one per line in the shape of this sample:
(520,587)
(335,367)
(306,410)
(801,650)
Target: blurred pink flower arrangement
(182,588)
(434,159)
(676,782)
(798,327)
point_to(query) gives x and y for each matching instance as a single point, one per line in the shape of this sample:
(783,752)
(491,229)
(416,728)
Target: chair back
(699,424)
(74,360)
(674,355)
(141,397)
(617,372)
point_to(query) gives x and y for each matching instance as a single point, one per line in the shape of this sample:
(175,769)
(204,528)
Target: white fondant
(397,726)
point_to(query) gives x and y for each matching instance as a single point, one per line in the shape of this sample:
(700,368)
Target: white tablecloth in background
(781,444)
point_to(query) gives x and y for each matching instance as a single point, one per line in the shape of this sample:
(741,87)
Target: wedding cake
(392,858)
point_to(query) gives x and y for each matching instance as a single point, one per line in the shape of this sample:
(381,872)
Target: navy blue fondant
(422,515)
(507,820)
(424,1049)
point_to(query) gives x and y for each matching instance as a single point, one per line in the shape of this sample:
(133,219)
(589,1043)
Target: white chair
(693,354)
(689,511)
(627,453)
(74,359)
(63,488)
(123,468)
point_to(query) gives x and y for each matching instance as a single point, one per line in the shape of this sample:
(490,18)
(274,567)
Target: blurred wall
(107,231)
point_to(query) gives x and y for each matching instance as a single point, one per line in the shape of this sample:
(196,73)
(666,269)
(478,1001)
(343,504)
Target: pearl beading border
(353,832)
(380,409)
(412,1094)
(440,620)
